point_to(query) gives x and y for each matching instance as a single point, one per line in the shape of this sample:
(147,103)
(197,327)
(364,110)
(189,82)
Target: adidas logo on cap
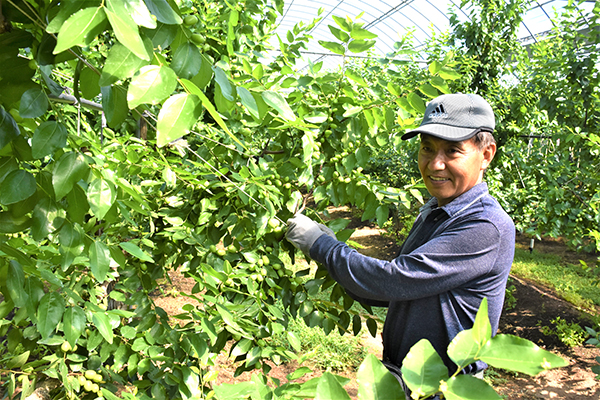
(438,112)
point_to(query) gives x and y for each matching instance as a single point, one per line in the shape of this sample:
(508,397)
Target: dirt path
(535,307)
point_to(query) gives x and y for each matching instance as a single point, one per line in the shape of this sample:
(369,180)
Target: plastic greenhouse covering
(391,20)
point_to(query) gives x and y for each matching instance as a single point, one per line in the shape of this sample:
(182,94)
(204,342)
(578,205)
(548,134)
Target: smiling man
(459,250)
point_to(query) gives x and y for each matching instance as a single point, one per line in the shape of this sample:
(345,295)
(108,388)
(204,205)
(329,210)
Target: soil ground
(536,307)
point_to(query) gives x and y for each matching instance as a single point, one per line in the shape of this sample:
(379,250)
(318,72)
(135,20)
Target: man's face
(449,169)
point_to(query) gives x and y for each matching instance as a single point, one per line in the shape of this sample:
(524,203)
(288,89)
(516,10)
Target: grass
(572,282)
(333,352)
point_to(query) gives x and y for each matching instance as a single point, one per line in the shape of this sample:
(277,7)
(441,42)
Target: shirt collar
(458,204)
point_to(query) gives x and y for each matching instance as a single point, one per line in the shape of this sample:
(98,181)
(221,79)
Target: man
(459,250)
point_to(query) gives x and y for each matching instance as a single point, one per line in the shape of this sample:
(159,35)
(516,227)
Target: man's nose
(437,162)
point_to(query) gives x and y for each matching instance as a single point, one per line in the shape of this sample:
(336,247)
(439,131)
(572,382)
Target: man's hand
(303,232)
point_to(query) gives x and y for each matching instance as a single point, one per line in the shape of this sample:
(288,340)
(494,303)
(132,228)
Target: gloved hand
(303,232)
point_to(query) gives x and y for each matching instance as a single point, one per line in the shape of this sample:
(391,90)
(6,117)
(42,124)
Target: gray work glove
(302,232)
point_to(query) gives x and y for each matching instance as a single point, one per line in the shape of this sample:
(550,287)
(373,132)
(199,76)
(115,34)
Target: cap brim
(446,132)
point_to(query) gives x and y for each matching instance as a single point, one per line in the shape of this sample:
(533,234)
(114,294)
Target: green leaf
(71,237)
(101,195)
(34,103)
(16,254)
(228,317)
(467,387)
(342,23)
(376,382)
(516,354)
(114,104)
(360,33)
(50,313)
(316,117)
(224,84)
(333,47)
(163,12)
(352,111)
(47,138)
(330,389)
(187,61)
(125,28)
(136,251)
(482,329)
(152,85)
(78,205)
(248,101)
(363,156)
(223,105)
(404,104)
(435,67)
(99,260)
(339,34)
(204,76)
(429,90)
(66,9)
(18,185)
(416,102)
(73,324)
(15,283)
(102,322)
(258,72)
(17,362)
(440,84)
(423,368)
(263,108)
(278,102)
(372,326)
(356,77)
(394,89)
(382,214)
(9,129)
(449,74)
(80,29)
(294,341)
(69,169)
(193,89)
(242,390)
(54,87)
(177,116)
(11,224)
(370,206)
(140,13)
(47,217)
(162,36)
(192,382)
(358,46)
(234,16)
(465,347)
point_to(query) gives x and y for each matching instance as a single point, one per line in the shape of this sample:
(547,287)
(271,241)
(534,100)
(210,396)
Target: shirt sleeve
(463,252)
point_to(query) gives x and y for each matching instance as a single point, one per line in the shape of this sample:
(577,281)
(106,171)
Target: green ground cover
(573,283)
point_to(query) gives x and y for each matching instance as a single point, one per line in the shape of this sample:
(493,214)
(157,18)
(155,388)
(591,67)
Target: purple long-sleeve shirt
(453,257)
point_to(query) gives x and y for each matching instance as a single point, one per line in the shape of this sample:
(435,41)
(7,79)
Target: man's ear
(488,155)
